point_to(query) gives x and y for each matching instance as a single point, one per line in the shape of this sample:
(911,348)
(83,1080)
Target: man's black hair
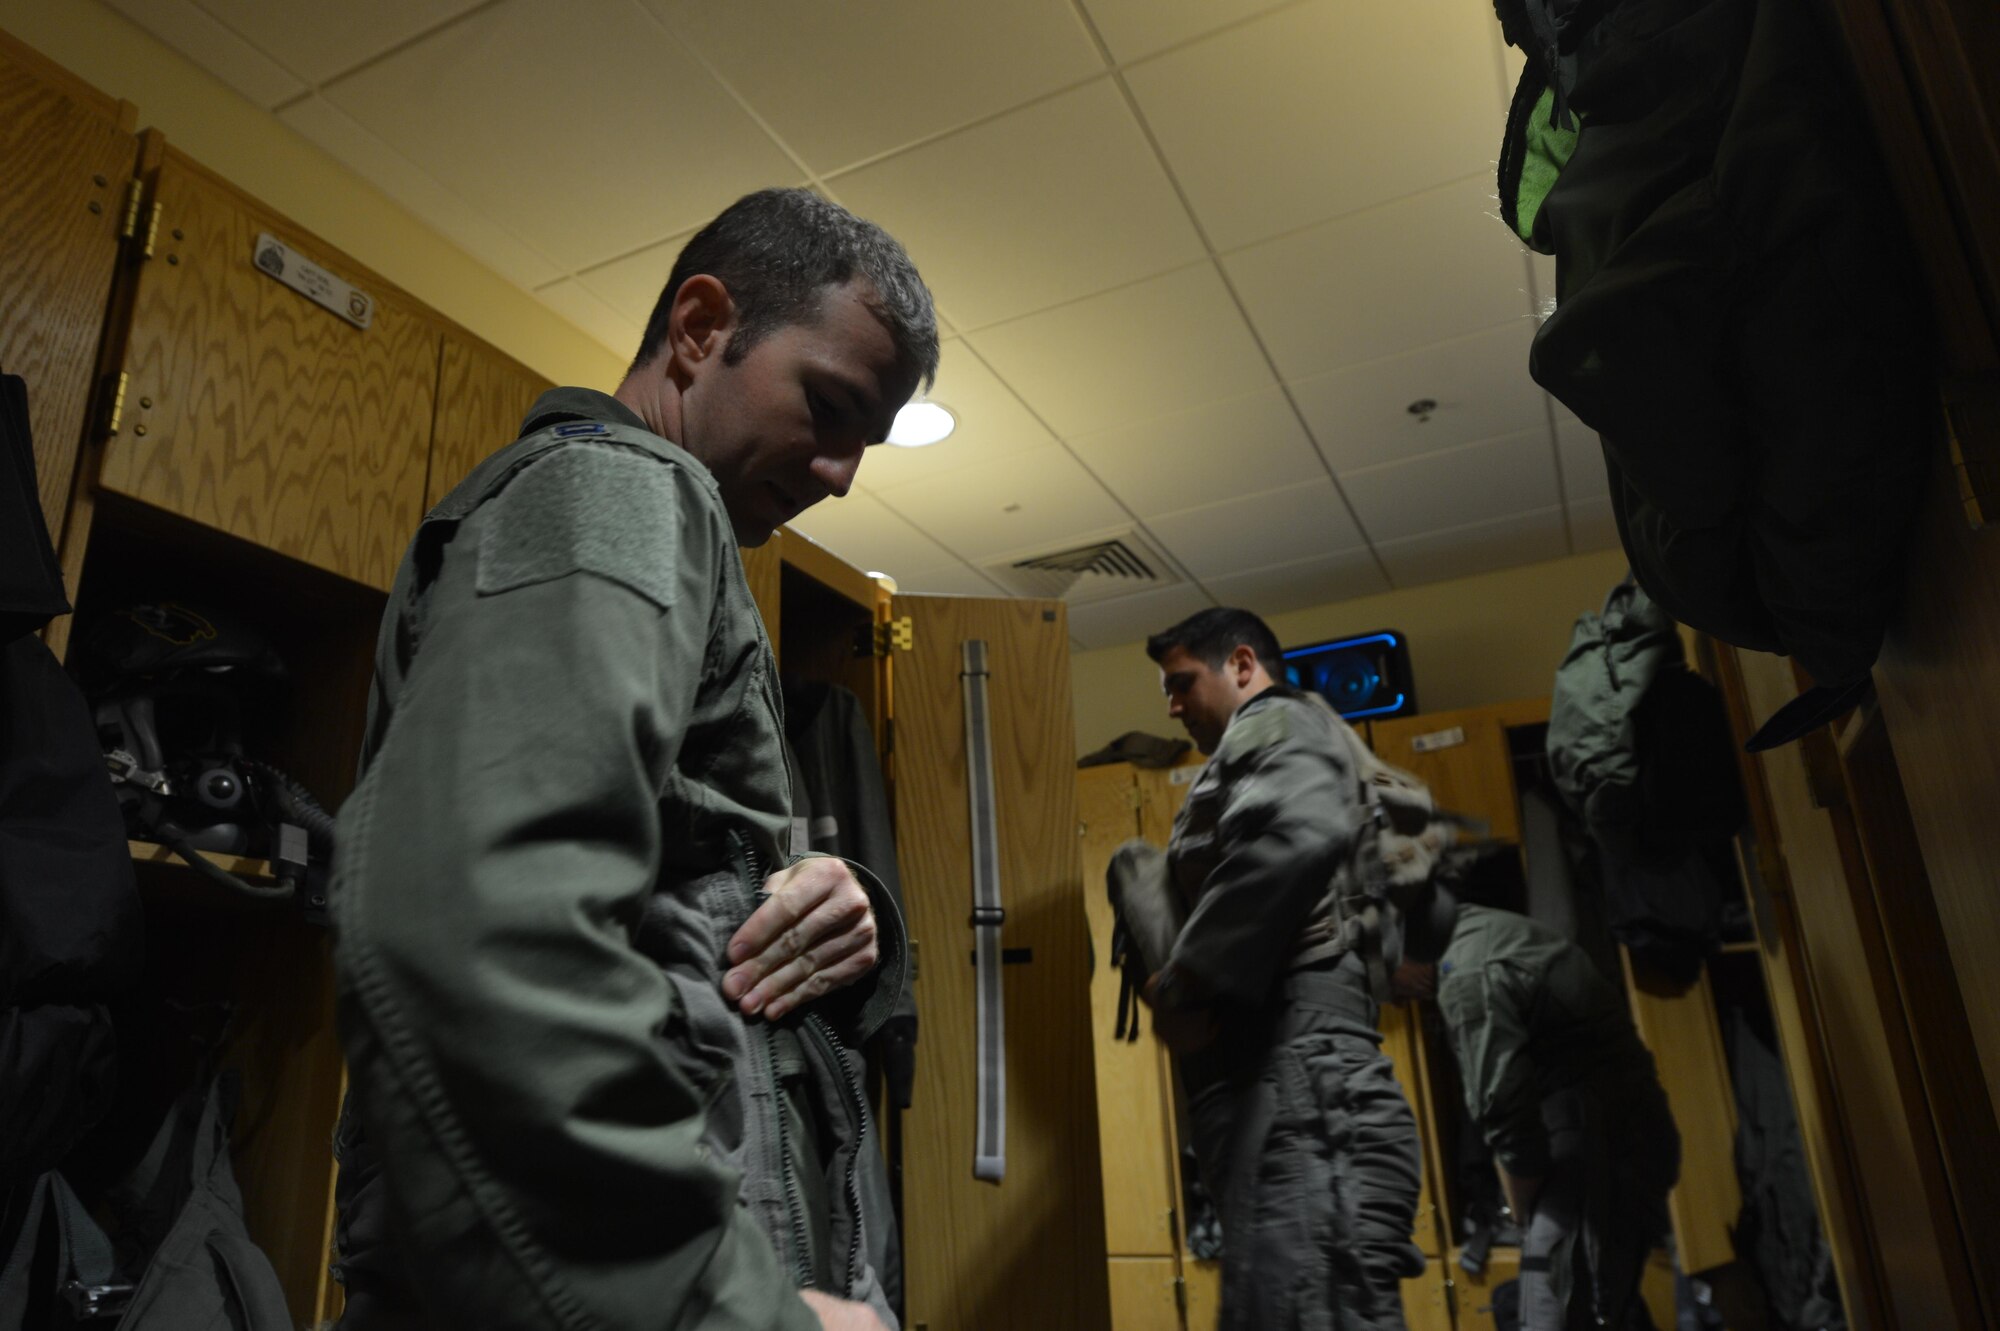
(778,251)
(1211,635)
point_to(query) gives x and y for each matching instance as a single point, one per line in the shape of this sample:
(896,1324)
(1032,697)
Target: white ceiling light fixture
(921,424)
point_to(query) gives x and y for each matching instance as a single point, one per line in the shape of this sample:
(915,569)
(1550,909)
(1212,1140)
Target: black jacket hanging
(1736,314)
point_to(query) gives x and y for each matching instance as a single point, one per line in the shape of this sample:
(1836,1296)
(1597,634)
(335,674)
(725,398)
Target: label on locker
(1438,739)
(313,282)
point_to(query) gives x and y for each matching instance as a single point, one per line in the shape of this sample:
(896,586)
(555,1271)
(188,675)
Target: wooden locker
(1463,757)
(1028,1252)
(67,157)
(255,411)
(1134,1095)
(483,397)
(1427,1298)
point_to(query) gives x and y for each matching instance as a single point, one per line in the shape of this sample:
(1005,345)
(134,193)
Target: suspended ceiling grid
(1196,258)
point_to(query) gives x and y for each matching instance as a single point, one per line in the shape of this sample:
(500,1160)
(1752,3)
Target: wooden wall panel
(1858,1019)
(1134,1098)
(483,396)
(1961,1107)
(1939,683)
(1028,1252)
(255,411)
(67,154)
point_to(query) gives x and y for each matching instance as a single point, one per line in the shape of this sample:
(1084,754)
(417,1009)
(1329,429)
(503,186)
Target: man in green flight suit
(591,1008)
(1303,1134)
(1564,1093)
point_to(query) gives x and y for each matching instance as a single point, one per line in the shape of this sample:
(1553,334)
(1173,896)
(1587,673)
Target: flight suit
(573,787)
(1562,1090)
(1304,1137)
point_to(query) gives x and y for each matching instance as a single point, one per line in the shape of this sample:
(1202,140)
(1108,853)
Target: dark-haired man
(1304,1136)
(588,1001)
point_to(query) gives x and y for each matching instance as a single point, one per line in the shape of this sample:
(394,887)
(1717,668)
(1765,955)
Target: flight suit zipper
(750,871)
(859,1104)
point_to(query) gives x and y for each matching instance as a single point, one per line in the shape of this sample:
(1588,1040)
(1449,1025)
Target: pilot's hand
(814,933)
(839,1314)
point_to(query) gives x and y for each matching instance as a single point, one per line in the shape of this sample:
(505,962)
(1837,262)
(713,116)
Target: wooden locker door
(1679,1026)
(251,409)
(1427,1298)
(1462,756)
(67,156)
(1133,1099)
(1027,1252)
(1145,1294)
(482,399)
(1855,1018)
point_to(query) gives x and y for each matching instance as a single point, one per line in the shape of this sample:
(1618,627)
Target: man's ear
(702,319)
(1242,663)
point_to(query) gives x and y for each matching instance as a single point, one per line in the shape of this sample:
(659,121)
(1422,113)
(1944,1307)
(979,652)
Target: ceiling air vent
(1110,566)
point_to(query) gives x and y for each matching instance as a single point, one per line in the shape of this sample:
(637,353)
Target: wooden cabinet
(67,154)
(482,399)
(256,411)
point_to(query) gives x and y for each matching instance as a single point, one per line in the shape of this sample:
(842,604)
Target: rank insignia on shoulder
(575,428)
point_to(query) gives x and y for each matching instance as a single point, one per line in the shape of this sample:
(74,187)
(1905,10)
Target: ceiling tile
(1458,486)
(1401,276)
(1008,506)
(1361,417)
(1309,582)
(514,110)
(954,579)
(212,45)
(632,285)
(473,230)
(1133,619)
(1135,28)
(1524,538)
(870,537)
(618,334)
(992,424)
(1245,445)
(1584,476)
(840,83)
(1273,126)
(1159,346)
(1283,526)
(319,40)
(1592,526)
(978,210)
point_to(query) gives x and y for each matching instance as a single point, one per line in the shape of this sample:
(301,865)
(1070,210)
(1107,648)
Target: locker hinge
(134,189)
(152,230)
(1180,1295)
(897,635)
(114,402)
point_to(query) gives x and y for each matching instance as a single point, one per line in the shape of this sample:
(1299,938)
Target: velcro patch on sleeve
(585,508)
(1262,728)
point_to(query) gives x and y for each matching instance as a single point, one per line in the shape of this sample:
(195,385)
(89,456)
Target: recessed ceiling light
(920,424)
